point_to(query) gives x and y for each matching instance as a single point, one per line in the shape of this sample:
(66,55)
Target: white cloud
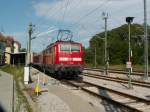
(93,23)
(75,9)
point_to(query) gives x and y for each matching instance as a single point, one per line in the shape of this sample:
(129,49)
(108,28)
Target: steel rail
(120,80)
(130,104)
(115,71)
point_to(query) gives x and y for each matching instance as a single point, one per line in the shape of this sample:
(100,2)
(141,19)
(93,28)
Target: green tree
(118,45)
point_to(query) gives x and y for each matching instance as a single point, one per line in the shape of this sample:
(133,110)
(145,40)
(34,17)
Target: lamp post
(129,20)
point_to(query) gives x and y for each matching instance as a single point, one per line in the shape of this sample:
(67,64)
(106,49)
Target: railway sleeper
(144,108)
(124,100)
(137,104)
(140,83)
(127,102)
(111,100)
(130,103)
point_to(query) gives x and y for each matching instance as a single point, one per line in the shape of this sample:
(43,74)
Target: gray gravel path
(51,103)
(76,103)
(61,99)
(6,91)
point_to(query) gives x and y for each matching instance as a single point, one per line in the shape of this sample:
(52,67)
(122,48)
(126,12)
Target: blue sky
(82,17)
(14,14)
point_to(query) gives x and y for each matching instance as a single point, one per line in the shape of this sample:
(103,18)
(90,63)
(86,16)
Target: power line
(63,17)
(50,8)
(75,5)
(92,11)
(89,13)
(104,3)
(54,12)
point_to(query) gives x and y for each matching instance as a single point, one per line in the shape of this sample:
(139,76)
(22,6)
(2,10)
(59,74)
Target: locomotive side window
(65,47)
(48,51)
(75,48)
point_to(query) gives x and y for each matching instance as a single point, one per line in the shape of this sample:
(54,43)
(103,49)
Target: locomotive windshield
(75,48)
(65,47)
(69,48)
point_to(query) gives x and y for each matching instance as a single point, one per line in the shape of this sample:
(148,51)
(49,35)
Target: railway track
(130,102)
(115,71)
(119,80)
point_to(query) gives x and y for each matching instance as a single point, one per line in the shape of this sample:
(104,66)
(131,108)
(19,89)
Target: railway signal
(129,20)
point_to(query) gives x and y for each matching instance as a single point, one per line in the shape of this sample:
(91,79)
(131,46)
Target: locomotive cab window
(69,48)
(65,47)
(75,48)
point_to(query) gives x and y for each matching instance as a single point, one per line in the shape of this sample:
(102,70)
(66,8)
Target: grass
(17,72)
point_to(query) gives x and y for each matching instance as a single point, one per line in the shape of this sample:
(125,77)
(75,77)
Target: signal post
(129,20)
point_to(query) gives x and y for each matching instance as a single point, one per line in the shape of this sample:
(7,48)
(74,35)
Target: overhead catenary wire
(85,16)
(116,19)
(66,6)
(52,14)
(89,13)
(113,17)
(74,5)
(61,8)
(56,12)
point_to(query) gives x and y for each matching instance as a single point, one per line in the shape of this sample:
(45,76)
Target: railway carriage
(62,58)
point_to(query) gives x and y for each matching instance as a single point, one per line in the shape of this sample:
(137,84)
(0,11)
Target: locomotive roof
(67,42)
(63,42)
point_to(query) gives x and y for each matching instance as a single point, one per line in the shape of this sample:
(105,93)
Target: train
(64,59)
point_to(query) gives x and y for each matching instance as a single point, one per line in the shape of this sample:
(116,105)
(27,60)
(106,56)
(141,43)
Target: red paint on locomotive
(61,56)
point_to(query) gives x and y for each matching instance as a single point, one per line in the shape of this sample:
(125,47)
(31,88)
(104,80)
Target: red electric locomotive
(62,58)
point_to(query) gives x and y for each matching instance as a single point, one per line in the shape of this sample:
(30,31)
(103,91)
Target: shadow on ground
(109,106)
(2,109)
